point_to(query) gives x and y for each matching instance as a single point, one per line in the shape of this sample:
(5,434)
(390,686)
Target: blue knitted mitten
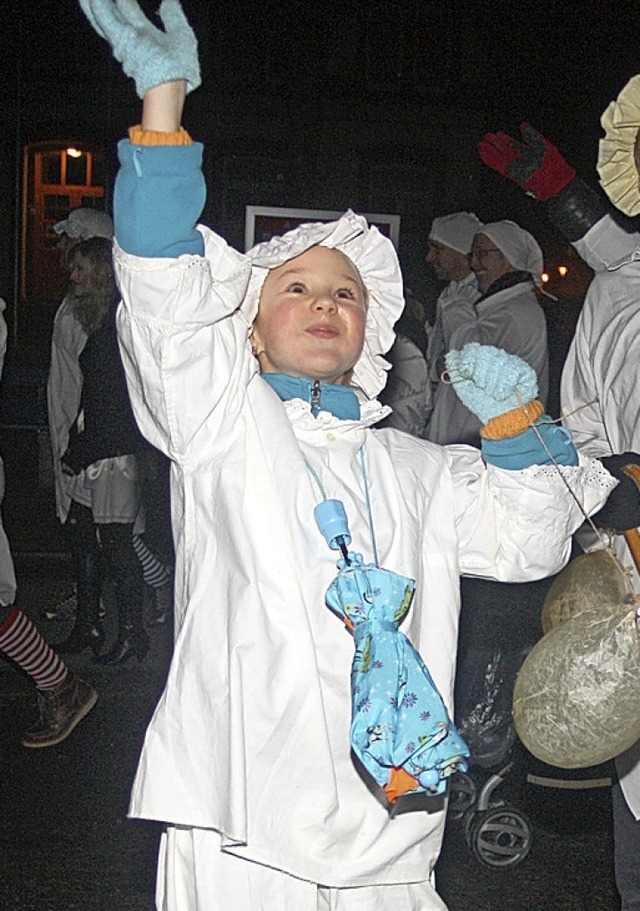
(147,54)
(489,381)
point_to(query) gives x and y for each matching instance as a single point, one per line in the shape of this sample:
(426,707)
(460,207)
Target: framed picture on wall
(263,222)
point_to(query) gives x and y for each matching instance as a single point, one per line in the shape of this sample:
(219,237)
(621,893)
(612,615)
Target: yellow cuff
(512,422)
(140,137)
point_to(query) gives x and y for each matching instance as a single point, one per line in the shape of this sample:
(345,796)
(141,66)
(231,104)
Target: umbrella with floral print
(400,729)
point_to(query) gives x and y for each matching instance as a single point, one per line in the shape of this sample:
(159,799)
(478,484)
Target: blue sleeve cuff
(159,196)
(526,449)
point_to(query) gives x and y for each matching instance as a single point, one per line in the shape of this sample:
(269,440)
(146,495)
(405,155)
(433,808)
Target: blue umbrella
(400,728)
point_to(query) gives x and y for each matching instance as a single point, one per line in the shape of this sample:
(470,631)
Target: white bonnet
(375,259)
(517,245)
(456,230)
(83,223)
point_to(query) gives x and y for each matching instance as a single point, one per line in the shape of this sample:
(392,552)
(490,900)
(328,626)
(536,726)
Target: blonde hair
(91,308)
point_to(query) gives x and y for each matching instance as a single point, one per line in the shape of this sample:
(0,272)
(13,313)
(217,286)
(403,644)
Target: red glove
(534,164)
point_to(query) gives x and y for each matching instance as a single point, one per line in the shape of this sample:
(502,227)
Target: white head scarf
(83,223)
(516,245)
(376,260)
(456,231)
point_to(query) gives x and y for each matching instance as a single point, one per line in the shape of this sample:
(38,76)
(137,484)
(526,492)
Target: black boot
(87,630)
(132,641)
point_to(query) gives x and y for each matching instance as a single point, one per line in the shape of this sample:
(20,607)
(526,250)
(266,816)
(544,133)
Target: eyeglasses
(481,254)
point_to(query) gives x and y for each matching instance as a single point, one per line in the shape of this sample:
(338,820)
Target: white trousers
(194,874)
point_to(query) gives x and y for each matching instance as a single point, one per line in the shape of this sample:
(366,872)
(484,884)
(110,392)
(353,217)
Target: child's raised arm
(159,192)
(162,107)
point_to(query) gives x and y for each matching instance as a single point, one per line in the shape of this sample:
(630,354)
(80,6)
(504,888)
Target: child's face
(311,318)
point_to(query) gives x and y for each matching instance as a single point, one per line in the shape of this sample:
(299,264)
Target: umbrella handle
(632,535)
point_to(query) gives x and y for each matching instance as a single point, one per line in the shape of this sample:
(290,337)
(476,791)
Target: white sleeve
(580,389)
(516,526)
(184,347)
(607,245)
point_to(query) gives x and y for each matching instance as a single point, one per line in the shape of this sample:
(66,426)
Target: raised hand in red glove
(534,163)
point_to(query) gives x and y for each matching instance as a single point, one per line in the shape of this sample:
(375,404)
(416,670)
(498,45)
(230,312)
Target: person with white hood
(507,263)
(599,392)
(258,375)
(448,249)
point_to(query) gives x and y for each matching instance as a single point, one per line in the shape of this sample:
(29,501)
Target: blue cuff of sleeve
(158,198)
(526,449)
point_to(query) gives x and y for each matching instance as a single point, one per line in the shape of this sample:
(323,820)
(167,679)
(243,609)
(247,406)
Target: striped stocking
(154,571)
(21,641)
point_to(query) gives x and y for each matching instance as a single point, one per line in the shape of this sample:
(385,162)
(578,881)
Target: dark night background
(374,105)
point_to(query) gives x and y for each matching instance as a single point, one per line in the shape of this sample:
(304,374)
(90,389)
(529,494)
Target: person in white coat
(599,391)
(258,375)
(64,384)
(507,263)
(448,249)
(71,325)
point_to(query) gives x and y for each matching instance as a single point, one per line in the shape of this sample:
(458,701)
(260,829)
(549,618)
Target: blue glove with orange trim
(489,381)
(148,54)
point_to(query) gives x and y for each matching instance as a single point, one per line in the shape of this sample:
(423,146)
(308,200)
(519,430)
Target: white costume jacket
(251,735)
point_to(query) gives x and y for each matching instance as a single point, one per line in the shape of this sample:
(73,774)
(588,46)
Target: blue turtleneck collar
(341,401)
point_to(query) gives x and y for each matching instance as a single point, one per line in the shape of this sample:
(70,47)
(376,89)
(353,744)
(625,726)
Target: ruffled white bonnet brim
(375,259)
(616,162)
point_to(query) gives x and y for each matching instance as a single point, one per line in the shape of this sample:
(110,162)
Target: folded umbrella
(400,729)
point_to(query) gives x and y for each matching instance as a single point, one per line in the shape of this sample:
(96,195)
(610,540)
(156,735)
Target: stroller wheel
(498,837)
(463,794)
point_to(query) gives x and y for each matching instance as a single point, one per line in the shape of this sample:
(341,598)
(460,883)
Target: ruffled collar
(340,401)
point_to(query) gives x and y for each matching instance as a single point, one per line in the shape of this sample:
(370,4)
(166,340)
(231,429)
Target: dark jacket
(109,426)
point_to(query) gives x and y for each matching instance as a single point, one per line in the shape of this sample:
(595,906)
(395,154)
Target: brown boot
(61,709)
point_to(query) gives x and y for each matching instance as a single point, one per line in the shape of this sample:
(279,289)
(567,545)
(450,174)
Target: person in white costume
(507,263)
(599,390)
(68,338)
(71,325)
(448,249)
(258,375)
